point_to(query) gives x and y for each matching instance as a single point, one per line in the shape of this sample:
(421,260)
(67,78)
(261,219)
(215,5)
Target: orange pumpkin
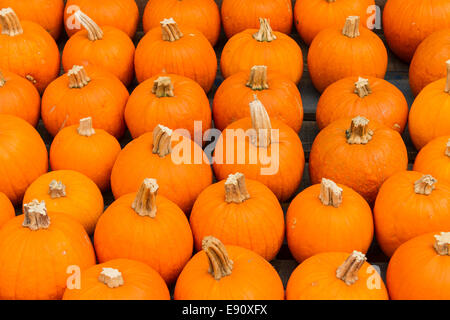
(119,279)
(202,15)
(407,23)
(146,227)
(39,251)
(361,157)
(328,217)
(370,97)
(175,161)
(418,270)
(85,92)
(171,100)
(241,212)
(220,272)
(27,50)
(169,49)
(19,98)
(121,14)
(428,62)
(24,156)
(7,211)
(338,53)
(336,276)
(87,150)
(262,149)
(279,94)
(274,49)
(434,158)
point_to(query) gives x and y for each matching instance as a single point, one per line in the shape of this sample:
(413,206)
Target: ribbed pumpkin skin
(238,16)
(165,242)
(33,264)
(24,156)
(432,159)
(252,278)
(140,283)
(282,100)
(417,272)
(407,23)
(315,279)
(385,104)
(428,62)
(7,211)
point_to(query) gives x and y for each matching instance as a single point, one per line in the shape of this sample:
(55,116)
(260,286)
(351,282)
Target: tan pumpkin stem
(2,79)
(362,87)
(170,30)
(145,201)
(447,150)
(235,189)
(36,217)
(265,32)
(260,123)
(447,84)
(10,22)
(220,265)
(330,193)
(94,31)
(442,244)
(162,140)
(258,78)
(163,87)
(359,132)
(78,77)
(329,1)
(348,271)
(85,128)
(111,277)
(56,189)
(425,185)
(351,27)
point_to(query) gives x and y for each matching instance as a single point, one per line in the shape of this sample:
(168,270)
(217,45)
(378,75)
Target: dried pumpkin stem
(111,277)
(10,22)
(56,189)
(85,128)
(170,30)
(145,201)
(260,123)
(35,214)
(163,87)
(442,244)
(162,140)
(329,1)
(94,31)
(362,87)
(359,132)
(330,193)
(348,271)
(447,149)
(258,78)
(78,77)
(220,265)
(425,185)
(447,84)
(265,33)
(235,189)
(351,27)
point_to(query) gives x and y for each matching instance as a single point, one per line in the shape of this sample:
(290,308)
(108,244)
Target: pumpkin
(418,270)
(89,151)
(410,204)
(427,64)
(361,157)
(170,49)
(119,279)
(108,48)
(28,50)
(121,14)
(146,227)
(238,16)
(178,163)
(241,212)
(68,192)
(19,98)
(337,53)
(336,276)
(407,23)
(227,272)
(7,211)
(24,156)
(429,116)
(38,250)
(279,94)
(434,158)
(313,16)
(265,150)
(171,100)
(85,92)
(262,47)
(202,15)
(370,97)
(327,217)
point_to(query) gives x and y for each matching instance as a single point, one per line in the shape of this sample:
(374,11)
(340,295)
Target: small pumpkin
(262,47)
(37,250)
(434,158)
(336,276)
(7,211)
(370,97)
(241,212)
(361,157)
(337,53)
(279,94)
(27,50)
(227,272)
(170,49)
(418,270)
(146,227)
(85,92)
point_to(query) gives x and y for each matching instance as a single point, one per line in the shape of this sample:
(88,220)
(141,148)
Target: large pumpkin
(434,158)
(7,211)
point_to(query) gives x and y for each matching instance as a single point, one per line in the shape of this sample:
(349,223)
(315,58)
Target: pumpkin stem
(425,185)
(359,132)
(220,264)
(163,87)
(162,140)
(265,33)
(258,78)
(94,31)
(447,84)
(111,277)
(348,271)
(351,27)
(330,193)
(36,217)
(78,77)
(260,123)
(447,150)
(442,244)
(145,201)
(235,188)
(170,30)
(56,189)
(362,87)
(10,22)
(85,128)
